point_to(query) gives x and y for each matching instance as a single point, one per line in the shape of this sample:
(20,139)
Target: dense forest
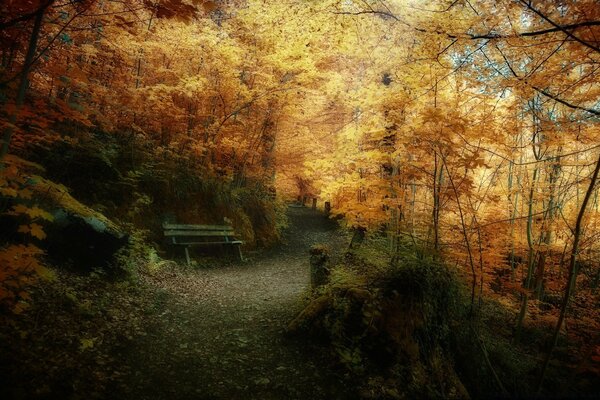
(413,186)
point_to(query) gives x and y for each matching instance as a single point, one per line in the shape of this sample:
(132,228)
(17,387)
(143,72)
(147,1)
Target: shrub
(391,324)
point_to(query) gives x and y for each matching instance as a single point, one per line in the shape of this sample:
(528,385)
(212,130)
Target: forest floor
(220,331)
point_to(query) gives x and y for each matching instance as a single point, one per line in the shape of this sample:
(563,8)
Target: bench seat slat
(212,232)
(208,243)
(197,227)
(200,233)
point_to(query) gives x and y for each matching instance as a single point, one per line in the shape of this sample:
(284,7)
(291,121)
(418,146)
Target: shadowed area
(221,331)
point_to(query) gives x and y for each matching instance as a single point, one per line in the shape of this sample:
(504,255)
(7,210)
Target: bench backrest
(198,230)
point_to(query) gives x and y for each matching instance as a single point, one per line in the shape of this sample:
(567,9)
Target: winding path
(220,331)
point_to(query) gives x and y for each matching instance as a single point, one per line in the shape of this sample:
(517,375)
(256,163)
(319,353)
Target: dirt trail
(220,331)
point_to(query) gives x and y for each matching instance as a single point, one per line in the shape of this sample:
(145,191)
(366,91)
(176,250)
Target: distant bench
(201,235)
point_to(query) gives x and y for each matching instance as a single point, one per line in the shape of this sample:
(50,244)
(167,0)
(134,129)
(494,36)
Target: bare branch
(563,28)
(566,103)
(475,36)
(560,28)
(26,17)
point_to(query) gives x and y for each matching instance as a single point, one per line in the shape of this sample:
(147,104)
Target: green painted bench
(201,235)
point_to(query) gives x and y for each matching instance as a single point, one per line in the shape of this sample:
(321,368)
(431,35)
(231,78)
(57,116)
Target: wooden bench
(201,235)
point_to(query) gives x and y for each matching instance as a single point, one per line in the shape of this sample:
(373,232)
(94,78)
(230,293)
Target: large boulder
(78,236)
(82,242)
(44,213)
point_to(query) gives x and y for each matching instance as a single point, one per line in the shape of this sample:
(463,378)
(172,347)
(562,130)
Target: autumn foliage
(469,129)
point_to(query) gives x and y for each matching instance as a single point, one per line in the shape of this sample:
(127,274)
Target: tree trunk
(24,82)
(465,236)
(530,259)
(549,216)
(573,271)
(513,212)
(438,172)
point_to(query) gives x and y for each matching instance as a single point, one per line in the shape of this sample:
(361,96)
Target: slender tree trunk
(465,236)
(514,212)
(549,216)
(394,217)
(511,257)
(530,258)
(438,176)
(573,271)
(23,83)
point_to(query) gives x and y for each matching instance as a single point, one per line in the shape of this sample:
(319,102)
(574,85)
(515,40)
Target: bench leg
(239,251)
(187,255)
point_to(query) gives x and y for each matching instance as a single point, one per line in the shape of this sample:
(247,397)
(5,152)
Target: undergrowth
(389,323)
(70,341)
(405,326)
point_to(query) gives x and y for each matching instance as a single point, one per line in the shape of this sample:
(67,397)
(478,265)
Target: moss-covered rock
(69,232)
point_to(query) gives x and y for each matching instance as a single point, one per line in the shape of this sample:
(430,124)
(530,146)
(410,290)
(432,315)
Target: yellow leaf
(37,231)
(45,273)
(36,212)
(8,192)
(20,209)
(24,229)
(86,344)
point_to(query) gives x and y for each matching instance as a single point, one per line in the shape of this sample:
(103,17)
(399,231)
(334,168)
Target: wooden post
(314,205)
(319,271)
(327,208)
(358,237)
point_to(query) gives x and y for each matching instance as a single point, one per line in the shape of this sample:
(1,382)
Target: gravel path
(220,331)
